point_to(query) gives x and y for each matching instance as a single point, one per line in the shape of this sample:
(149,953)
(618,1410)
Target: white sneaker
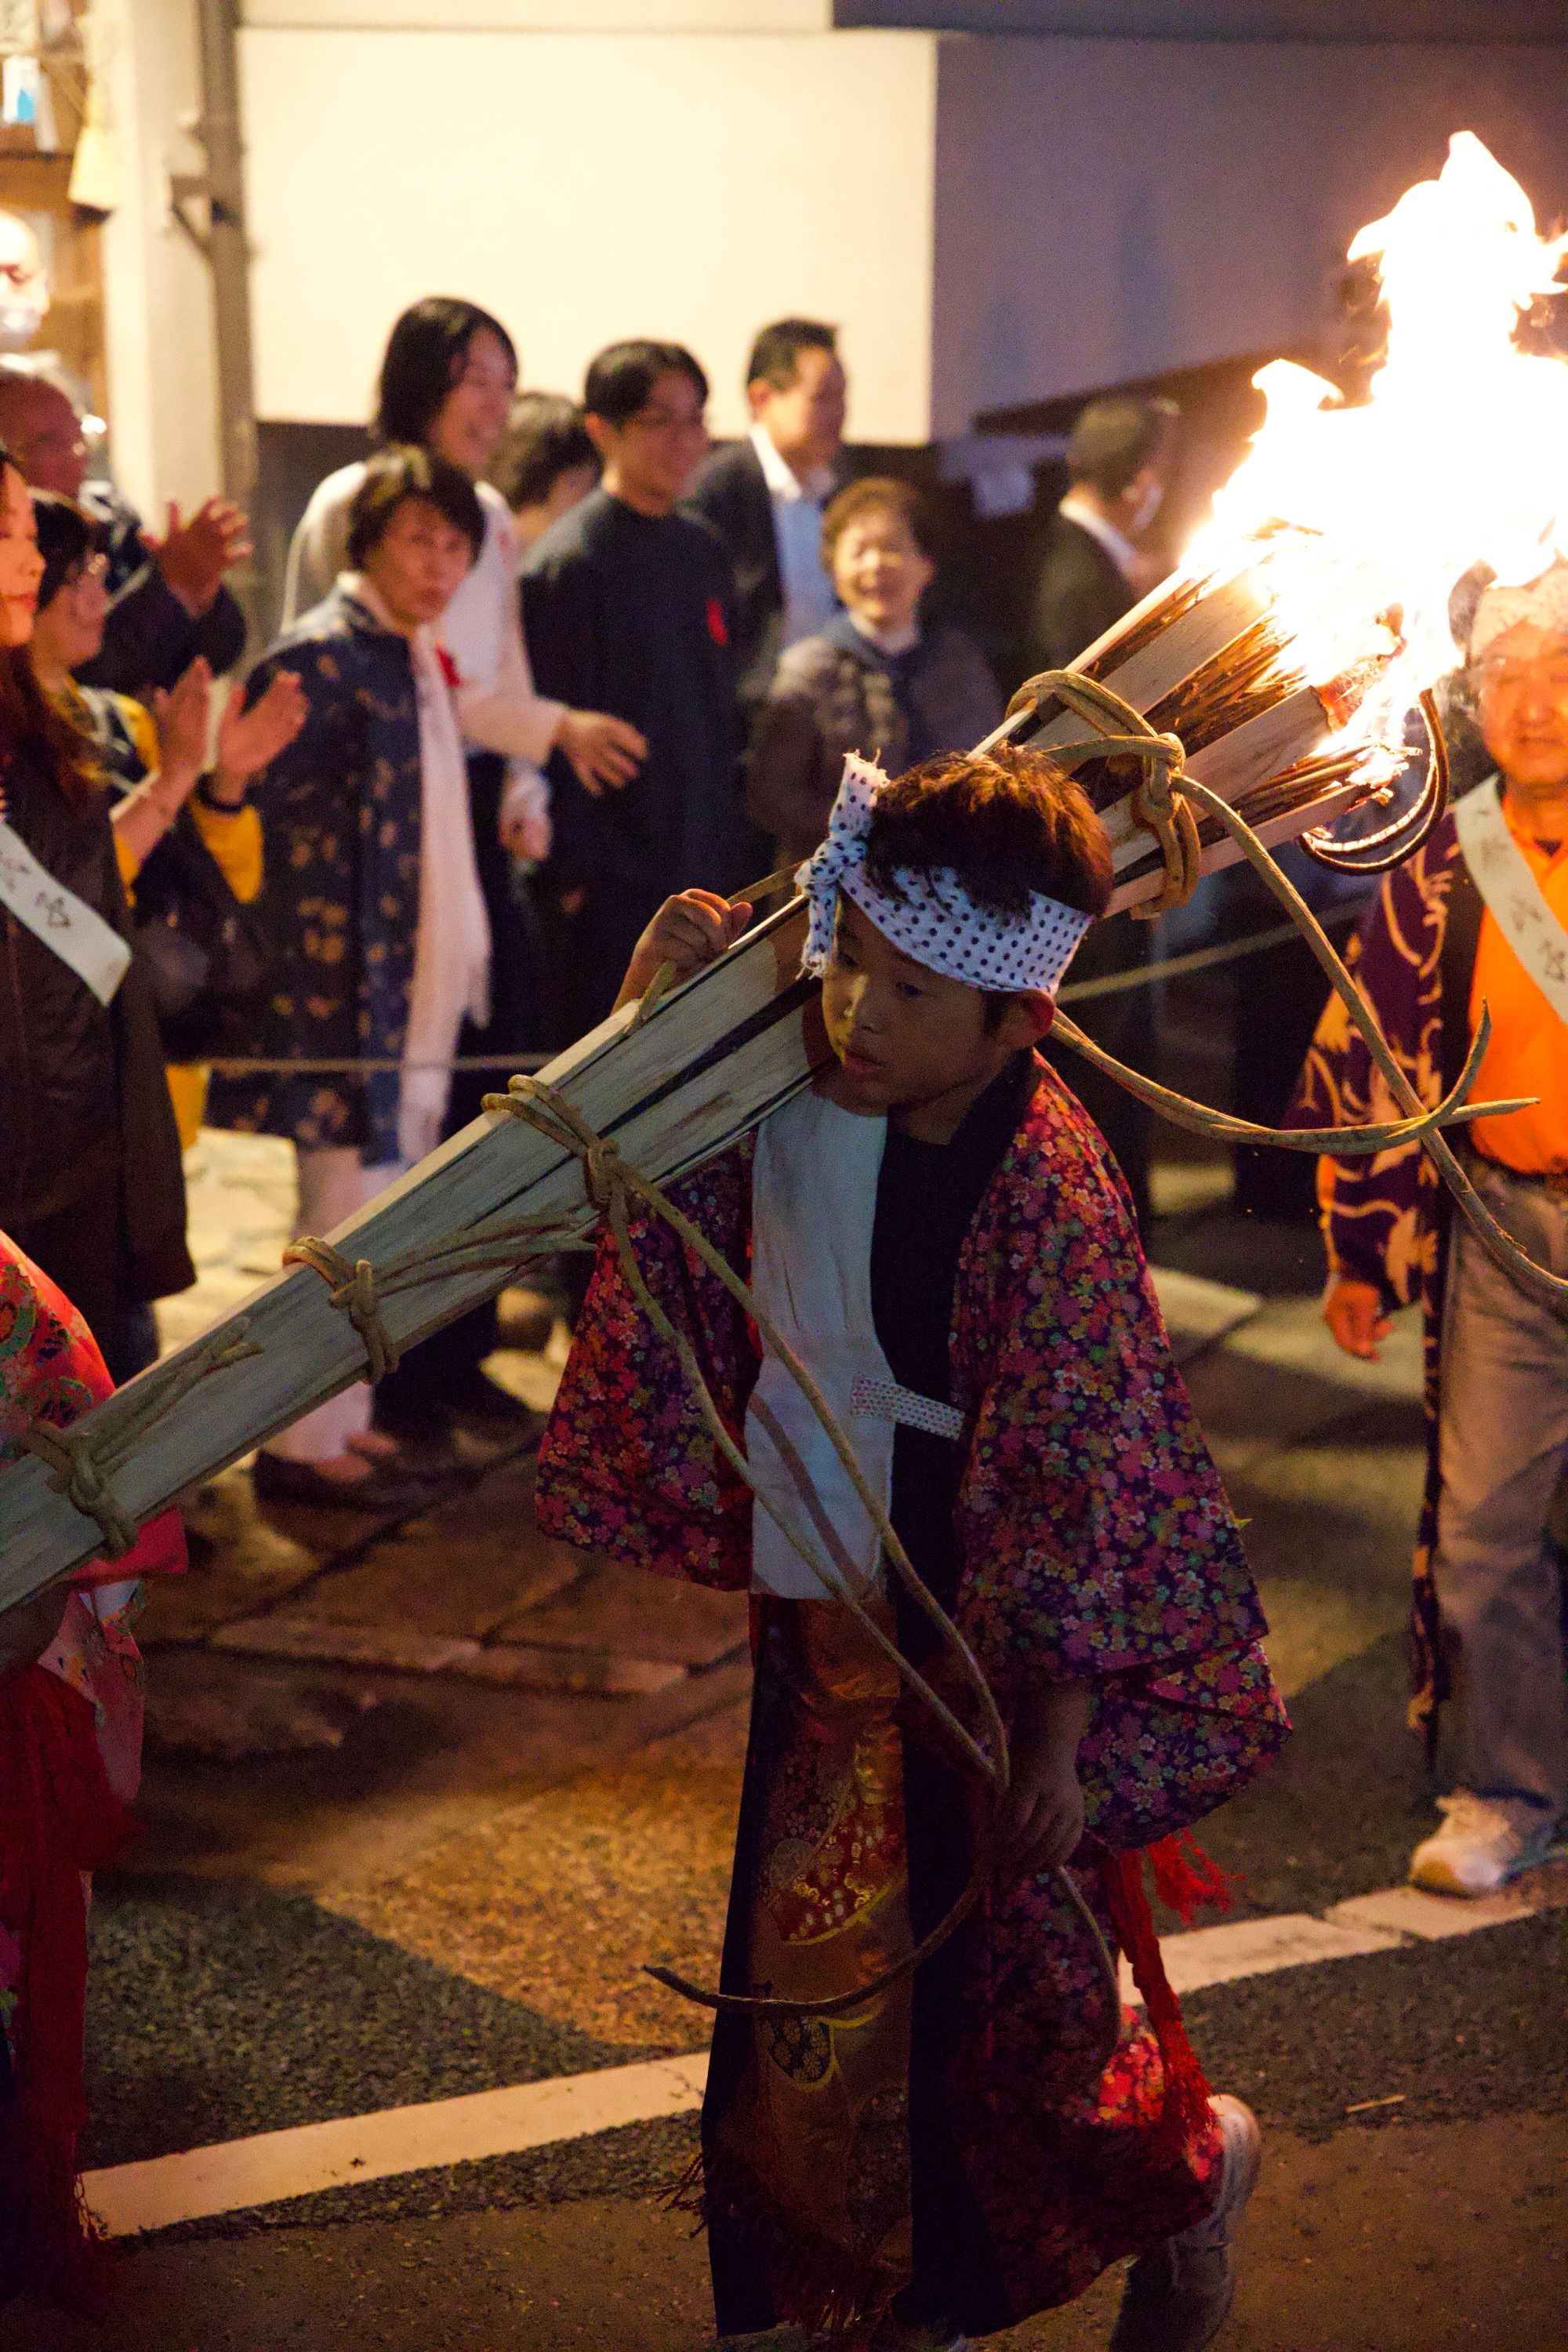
(1178,2294)
(1484,1842)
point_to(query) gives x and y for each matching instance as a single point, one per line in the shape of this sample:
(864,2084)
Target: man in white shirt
(765,495)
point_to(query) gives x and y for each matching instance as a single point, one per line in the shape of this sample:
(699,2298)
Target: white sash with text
(80,937)
(1514,898)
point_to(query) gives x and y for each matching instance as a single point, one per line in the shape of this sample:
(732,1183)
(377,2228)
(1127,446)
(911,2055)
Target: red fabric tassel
(58,1820)
(1185,2112)
(1186,1879)
(159,1550)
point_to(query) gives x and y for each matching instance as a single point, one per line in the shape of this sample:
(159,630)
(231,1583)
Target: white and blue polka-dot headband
(934,921)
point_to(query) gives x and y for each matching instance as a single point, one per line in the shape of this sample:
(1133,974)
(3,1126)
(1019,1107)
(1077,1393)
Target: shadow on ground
(219,2009)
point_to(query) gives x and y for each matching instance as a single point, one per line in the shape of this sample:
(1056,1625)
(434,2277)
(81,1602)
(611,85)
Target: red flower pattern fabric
(1097,1540)
(71,1749)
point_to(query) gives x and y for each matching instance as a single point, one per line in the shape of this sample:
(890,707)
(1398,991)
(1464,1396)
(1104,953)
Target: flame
(1363,519)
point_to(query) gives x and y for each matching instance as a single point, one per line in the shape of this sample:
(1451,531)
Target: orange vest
(1529,1050)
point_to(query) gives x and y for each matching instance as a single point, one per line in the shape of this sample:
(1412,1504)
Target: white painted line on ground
(1252,1948)
(1197,1311)
(1294,1939)
(1411,1911)
(263,2170)
(239,2173)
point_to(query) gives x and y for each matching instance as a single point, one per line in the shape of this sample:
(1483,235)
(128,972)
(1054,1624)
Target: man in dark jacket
(765,495)
(168,603)
(1094,573)
(1094,569)
(630,604)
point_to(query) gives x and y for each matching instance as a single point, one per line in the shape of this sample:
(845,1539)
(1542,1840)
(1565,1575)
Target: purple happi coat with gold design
(959,2128)
(1386,1218)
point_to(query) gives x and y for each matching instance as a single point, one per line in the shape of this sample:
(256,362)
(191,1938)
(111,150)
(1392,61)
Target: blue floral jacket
(340,901)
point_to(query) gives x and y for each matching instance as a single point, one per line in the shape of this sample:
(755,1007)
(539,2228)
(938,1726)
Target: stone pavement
(508,1715)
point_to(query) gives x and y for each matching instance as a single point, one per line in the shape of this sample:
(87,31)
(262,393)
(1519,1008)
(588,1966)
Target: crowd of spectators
(540,662)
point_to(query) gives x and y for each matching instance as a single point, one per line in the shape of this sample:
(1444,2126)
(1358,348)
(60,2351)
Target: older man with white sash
(1479,918)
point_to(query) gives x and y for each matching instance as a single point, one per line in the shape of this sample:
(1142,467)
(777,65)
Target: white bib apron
(813,1204)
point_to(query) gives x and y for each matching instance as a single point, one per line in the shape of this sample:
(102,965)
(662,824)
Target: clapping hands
(251,739)
(193,556)
(182,717)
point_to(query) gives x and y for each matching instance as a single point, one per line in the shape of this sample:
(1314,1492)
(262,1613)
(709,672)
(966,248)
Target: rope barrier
(610,1182)
(1111,983)
(1194,960)
(358,1289)
(317,1066)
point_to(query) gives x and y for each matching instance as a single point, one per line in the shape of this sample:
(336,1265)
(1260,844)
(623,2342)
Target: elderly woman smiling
(877,681)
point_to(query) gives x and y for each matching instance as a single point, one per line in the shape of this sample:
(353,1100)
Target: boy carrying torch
(939,1232)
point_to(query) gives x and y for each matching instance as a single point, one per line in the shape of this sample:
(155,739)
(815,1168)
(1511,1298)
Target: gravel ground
(1470,2027)
(1339,1812)
(1432,2238)
(557,1899)
(217,2009)
(323,2020)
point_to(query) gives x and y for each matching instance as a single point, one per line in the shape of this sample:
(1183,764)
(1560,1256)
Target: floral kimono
(340,901)
(959,2128)
(70,1756)
(1386,1219)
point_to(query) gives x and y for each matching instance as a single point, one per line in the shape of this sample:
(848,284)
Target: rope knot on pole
(1159,806)
(77,1473)
(353,1291)
(1124,733)
(604,1176)
(72,1457)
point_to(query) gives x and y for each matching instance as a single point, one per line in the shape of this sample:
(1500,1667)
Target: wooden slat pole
(713,1057)
(707,1064)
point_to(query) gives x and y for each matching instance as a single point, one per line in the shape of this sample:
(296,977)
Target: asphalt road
(454,1896)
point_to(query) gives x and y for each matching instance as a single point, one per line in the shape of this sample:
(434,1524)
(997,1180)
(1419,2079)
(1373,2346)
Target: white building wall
(1108,210)
(158,345)
(551,15)
(991,221)
(586,188)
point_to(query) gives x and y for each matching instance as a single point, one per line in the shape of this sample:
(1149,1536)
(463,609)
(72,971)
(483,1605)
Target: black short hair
(545,437)
(424,353)
(393,476)
(776,355)
(67,536)
(34,722)
(1112,440)
(621,378)
(1006,821)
